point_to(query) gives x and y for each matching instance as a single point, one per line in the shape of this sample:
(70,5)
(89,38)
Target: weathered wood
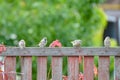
(88,67)
(26,67)
(57,53)
(10,68)
(73,68)
(103,70)
(42,68)
(65,51)
(56,68)
(117,68)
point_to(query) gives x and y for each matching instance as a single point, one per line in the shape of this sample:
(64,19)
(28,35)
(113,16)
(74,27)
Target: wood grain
(103,69)
(73,68)
(88,67)
(57,53)
(56,68)
(10,68)
(42,68)
(26,67)
(117,68)
(65,51)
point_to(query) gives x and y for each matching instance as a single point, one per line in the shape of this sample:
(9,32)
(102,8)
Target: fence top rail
(64,51)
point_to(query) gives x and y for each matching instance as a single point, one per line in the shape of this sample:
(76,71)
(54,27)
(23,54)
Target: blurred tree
(65,20)
(32,20)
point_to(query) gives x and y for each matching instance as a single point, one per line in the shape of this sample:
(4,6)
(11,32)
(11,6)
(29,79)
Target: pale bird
(43,42)
(107,42)
(76,43)
(21,44)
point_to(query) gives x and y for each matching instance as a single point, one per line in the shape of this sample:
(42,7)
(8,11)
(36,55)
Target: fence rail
(57,54)
(65,51)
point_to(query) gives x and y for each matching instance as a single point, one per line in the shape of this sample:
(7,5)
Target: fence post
(42,68)
(56,68)
(26,67)
(73,67)
(103,70)
(88,67)
(10,68)
(1,76)
(117,68)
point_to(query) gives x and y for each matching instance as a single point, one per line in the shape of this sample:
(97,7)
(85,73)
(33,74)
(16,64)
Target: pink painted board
(56,68)
(73,68)
(88,67)
(26,68)
(42,68)
(1,76)
(10,68)
(103,69)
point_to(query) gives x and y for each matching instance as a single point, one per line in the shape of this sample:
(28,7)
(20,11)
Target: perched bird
(21,44)
(107,42)
(55,43)
(43,42)
(76,43)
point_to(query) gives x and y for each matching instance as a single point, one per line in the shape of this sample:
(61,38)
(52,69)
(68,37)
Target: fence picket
(73,62)
(10,68)
(42,68)
(56,68)
(117,68)
(26,67)
(73,68)
(1,76)
(88,67)
(103,69)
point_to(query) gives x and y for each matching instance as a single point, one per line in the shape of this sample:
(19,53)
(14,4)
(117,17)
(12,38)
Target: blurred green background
(65,20)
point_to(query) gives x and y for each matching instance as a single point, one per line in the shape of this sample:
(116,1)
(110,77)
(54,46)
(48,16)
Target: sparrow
(107,42)
(21,44)
(76,43)
(43,42)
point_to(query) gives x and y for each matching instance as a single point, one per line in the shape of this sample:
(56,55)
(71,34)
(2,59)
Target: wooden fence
(57,54)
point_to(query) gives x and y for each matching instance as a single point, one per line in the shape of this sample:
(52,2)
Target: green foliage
(32,20)
(65,20)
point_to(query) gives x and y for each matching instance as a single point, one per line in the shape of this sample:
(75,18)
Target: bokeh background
(65,20)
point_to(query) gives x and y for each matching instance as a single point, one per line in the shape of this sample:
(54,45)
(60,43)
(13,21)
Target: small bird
(107,42)
(21,44)
(76,43)
(43,42)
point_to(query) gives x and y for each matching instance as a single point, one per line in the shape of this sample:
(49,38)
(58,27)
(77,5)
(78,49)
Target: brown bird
(43,42)
(21,44)
(76,43)
(107,42)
